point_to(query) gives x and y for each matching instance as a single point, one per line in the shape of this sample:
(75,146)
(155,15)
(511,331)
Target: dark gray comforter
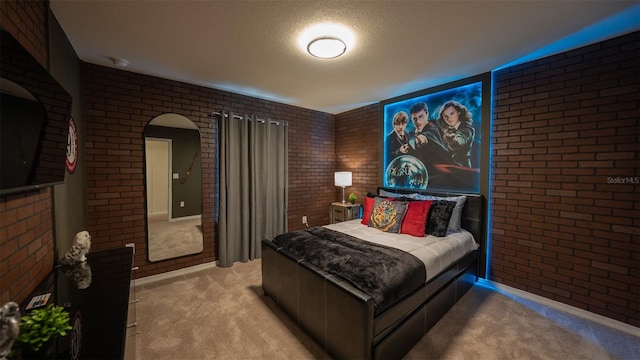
(386,274)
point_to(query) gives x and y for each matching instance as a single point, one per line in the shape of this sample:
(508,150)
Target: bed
(352,323)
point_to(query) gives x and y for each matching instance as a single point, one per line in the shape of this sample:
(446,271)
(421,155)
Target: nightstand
(342,212)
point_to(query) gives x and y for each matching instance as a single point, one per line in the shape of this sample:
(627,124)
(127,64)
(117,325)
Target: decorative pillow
(387,215)
(415,220)
(456,216)
(368,205)
(366,211)
(439,216)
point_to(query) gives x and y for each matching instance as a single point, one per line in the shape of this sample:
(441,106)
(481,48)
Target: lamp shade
(342,178)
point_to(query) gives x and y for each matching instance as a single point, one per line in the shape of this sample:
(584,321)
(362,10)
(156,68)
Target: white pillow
(456,215)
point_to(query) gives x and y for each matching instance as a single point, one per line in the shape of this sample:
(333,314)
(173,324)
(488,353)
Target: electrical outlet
(132,245)
(181,203)
(304,219)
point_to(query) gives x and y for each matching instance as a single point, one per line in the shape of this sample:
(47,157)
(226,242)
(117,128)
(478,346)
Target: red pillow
(366,212)
(415,220)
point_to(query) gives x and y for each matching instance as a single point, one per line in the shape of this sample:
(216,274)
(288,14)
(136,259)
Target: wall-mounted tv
(432,138)
(34,121)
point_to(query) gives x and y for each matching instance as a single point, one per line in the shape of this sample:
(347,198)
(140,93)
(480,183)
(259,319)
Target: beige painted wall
(70,199)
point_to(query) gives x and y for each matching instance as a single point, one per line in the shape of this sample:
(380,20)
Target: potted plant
(352,198)
(39,328)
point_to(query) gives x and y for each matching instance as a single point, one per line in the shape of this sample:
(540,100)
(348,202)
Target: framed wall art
(432,138)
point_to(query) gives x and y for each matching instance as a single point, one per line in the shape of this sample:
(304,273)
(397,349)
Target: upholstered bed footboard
(345,328)
(341,318)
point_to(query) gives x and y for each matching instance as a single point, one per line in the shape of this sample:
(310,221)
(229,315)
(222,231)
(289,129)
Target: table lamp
(342,179)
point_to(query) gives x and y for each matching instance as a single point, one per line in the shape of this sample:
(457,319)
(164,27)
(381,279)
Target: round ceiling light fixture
(326,47)
(326,40)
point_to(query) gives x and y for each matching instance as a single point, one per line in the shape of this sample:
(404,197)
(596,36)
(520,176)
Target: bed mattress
(437,253)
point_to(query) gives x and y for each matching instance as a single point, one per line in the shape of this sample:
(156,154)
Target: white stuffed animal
(79,249)
(9,327)
(80,274)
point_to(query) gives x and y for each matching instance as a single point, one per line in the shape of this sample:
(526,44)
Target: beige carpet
(222,313)
(168,239)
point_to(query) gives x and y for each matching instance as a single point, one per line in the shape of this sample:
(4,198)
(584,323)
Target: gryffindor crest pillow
(387,215)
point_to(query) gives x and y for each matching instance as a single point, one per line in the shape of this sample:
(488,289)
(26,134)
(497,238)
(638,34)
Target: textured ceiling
(250,47)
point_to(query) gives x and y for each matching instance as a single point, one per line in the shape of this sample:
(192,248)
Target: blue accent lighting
(622,23)
(487,264)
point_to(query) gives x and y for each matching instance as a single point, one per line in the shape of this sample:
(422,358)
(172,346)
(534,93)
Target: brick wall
(117,106)
(564,226)
(26,248)
(358,150)
(26,219)
(27,22)
(312,160)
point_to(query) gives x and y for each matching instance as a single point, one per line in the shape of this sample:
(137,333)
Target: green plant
(353,198)
(42,325)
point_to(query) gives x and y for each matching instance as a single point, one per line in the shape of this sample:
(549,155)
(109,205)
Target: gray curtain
(253,185)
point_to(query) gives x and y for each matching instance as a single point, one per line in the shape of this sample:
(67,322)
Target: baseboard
(584,314)
(171,274)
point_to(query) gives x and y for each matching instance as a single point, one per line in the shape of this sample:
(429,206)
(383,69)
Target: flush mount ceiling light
(326,47)
(326,40)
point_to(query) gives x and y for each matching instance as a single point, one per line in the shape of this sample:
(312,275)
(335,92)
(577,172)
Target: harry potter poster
(432,141)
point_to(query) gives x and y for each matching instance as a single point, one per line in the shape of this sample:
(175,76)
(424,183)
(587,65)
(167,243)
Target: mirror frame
(179,176)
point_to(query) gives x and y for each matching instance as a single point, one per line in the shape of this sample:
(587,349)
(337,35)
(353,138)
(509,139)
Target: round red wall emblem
(72,147)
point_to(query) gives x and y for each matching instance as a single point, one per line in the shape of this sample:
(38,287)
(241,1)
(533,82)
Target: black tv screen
(34,122)
(20,132)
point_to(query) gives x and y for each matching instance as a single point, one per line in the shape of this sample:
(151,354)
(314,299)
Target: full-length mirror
(173,187)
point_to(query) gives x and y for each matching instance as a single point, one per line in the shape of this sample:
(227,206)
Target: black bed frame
(341,318)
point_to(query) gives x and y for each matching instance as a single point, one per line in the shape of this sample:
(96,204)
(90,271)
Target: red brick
(594,223)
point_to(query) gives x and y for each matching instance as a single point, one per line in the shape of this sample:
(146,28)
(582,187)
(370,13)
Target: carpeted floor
(168,239)
(222,313)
